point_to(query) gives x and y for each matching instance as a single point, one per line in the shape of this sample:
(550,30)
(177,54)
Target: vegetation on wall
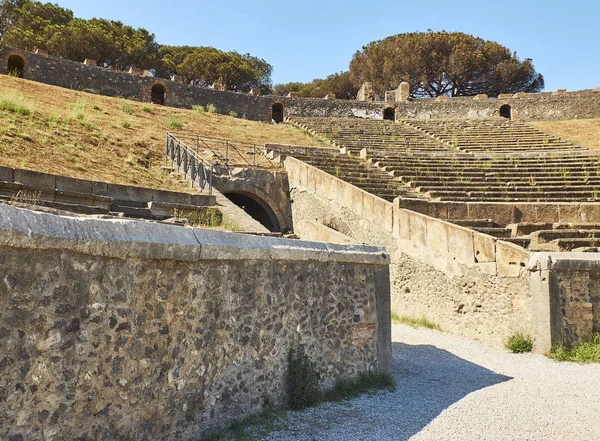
(29,24)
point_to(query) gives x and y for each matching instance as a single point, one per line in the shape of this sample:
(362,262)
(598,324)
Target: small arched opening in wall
(277,113)
(15,66)
(506,111)
(158,94)
(389,114)
(258,209)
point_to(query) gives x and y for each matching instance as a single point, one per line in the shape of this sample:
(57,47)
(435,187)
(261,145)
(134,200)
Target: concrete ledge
(23,228)
(564,261)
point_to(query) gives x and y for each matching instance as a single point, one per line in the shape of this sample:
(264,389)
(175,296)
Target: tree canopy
(443,63)
(339,84)
(29,24)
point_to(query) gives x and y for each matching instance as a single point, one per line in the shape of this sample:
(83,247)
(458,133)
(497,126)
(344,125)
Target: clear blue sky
(310,39)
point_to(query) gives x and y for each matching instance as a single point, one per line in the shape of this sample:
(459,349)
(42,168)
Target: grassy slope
(585,132)
(108,139)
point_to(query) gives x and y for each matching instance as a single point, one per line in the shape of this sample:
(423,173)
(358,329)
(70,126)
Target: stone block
(590,212)
(457,210)
(42,52)
(202,200)
(560,92)
(417,229)
(365,93)
(460,245)
(293,95)
(218,86)
(437,236)
(418,205)
(442,98)
(437,209)
(146,73)
(177,79)
(255,91)
(597,89)
(401,221)
(520,95)
(7,174)
(330,96)
(64,183)
(100,188)
(35,179)
(403,92)
(89,62)
(547,213)
(368,205)
(504,96)
(500,213)
(171,197)
(488,268)
(481,97)
(484,248)
(135,71)
(569,212)
(511,259)
(525,212)
(390,97)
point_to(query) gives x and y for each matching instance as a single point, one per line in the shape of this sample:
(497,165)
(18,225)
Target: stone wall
(574,281)
(122,330)
(74,75)
(469,283)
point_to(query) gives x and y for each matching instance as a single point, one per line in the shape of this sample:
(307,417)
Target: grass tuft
(13,107)
(414,322)
(211,108)
(206,217)
(174,124)
(233,113)
(127,108)
(125,124)
(519,343)
(587,352)
(199,109)
(146,109)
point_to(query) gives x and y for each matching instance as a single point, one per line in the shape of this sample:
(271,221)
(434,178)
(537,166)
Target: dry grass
(78,134)
(585,132)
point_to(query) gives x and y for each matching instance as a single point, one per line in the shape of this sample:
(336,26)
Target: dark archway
(158,94)
(389,114)
(16,66)
(257,209)
(277,113)
(506,111)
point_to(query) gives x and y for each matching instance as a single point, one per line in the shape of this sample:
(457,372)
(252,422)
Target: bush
(233,113)
(303,380)
(125,124)
(198,108)
(127,108)
(146,109)
(174,124)
(586,352)
(519,343)
(211,108)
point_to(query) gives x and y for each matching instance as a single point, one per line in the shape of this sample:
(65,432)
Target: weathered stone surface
(139,348)
(330,96)
(366,93)
(293,95)
(442,98)
(504,96)
(511,260)
(41,52)
(403,92)
(89,62)
(481,97)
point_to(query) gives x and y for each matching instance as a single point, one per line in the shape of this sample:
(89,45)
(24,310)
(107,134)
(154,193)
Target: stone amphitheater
(453,210)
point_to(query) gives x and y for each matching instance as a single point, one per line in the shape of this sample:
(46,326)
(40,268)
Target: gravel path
(451,388)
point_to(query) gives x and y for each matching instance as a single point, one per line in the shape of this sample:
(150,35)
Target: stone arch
(158,94)
(256,207)
(506,111)
(277,113)
(15,66)
(389,113)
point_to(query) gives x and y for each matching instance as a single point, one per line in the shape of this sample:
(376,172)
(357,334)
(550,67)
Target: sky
(304,40)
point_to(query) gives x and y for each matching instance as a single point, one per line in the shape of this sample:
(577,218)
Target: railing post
(254,146)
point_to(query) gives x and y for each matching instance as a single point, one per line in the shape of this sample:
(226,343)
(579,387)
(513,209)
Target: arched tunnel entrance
(257,209)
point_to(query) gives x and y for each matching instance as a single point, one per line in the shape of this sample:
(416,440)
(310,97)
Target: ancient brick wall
(127,330)
(74,75)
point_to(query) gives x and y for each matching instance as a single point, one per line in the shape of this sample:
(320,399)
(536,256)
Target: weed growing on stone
(519,343)
(414,322)
(587,352)
(207,217)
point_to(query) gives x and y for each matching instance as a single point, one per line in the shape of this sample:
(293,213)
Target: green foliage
(211,108)
(127,107)
(233,113)
(414,322)
(206,217)
(519,343)
(198,108)
(96,107)
(126,124)
(303,380)
(367,382)
(10,106)
(586,352)
(174,124)
(443,63)
(147,109)
(339,84)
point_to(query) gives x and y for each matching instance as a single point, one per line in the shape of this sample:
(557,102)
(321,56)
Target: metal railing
(196,169)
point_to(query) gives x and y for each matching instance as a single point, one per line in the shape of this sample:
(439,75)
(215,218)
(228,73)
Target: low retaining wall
(469,283)
(128,330)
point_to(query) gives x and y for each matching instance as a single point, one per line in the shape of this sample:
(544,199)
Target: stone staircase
(485,161)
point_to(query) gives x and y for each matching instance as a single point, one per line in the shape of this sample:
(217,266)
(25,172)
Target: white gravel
(452,388)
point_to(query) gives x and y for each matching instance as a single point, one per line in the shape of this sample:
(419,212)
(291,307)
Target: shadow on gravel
(430,380)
